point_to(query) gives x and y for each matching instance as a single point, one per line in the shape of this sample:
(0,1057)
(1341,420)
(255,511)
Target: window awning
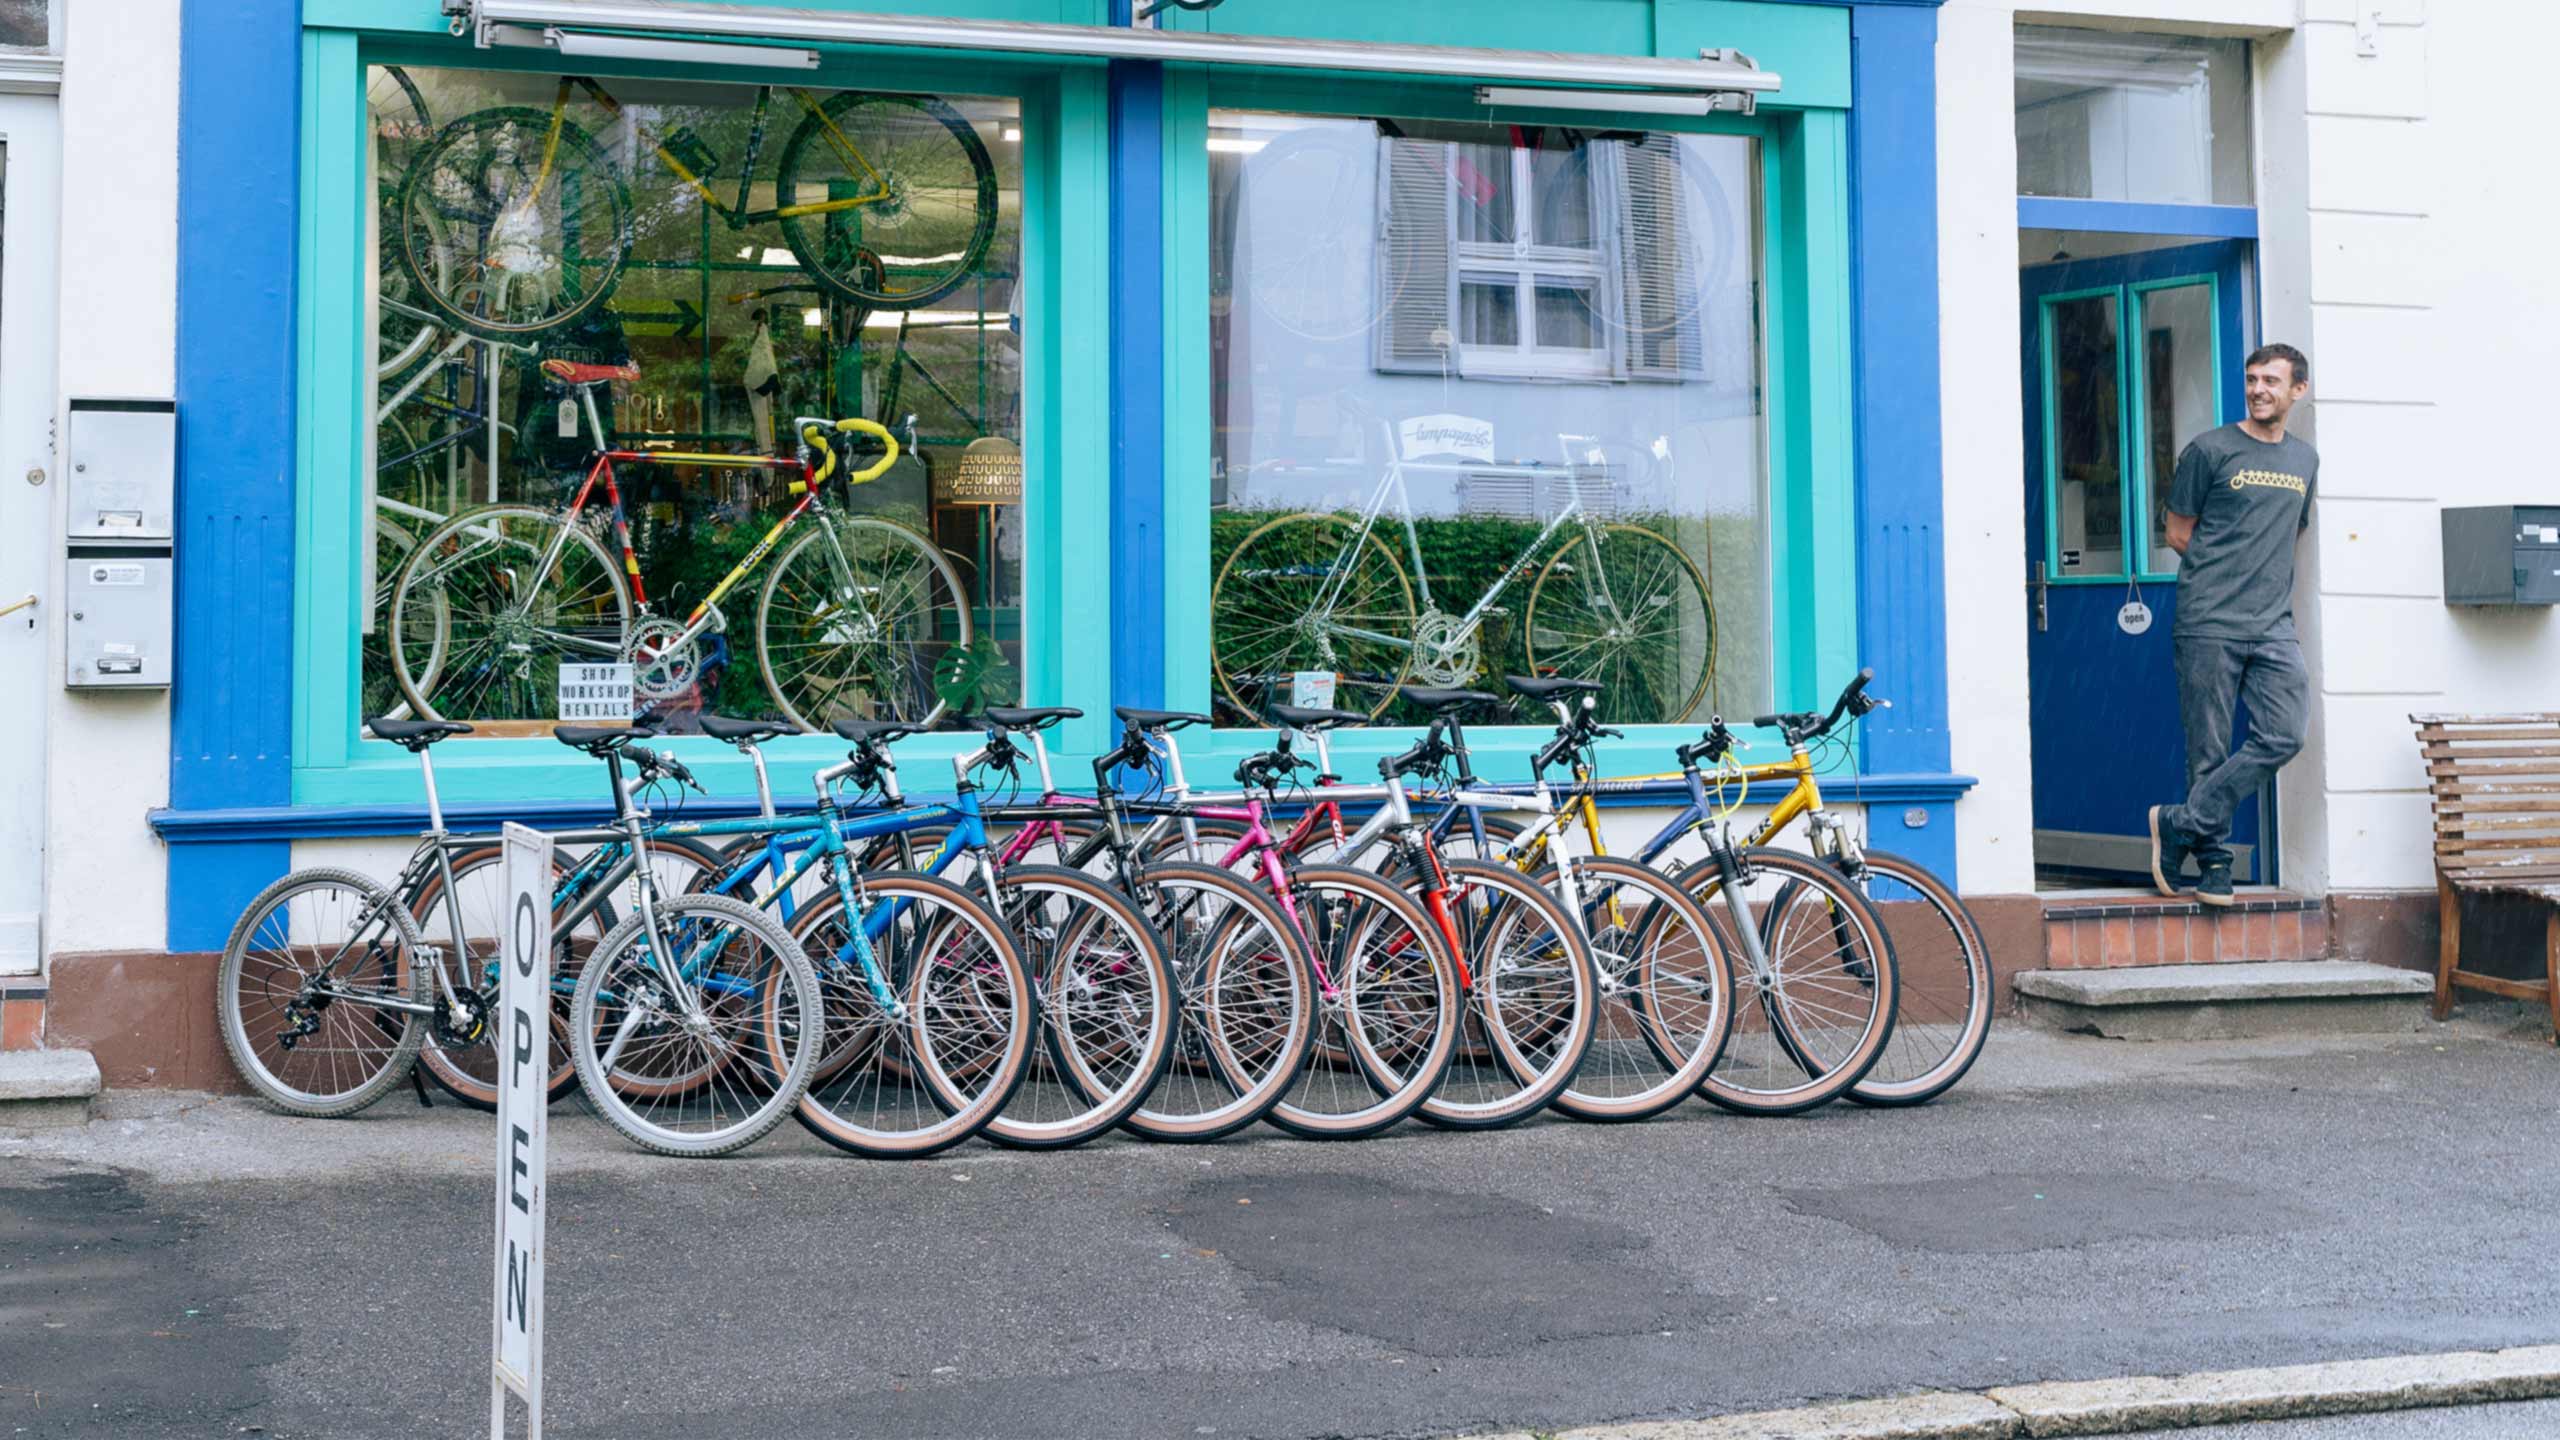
(1716,80)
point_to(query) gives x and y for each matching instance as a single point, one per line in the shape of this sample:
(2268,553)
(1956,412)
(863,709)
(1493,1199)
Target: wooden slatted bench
(2496,782)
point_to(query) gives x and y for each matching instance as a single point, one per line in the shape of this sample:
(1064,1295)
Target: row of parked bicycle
(1328,957)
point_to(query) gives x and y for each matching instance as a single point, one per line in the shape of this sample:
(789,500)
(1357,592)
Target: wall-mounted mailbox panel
(2502,555)
(116,619)
(123,461)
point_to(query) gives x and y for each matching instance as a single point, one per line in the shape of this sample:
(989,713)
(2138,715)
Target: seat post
(1040,756)
(435,806)
(764,785)
(1173,764)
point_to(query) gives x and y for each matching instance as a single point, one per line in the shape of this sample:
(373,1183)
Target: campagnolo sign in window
(666,274)
(1486,401)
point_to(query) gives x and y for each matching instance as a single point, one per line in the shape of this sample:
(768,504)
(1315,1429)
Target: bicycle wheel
(1942,1003)
(469,1073)
(1109,1008)
(401,127)
(392,543)
(854,619)
(1666,993)
(513,221)
(1815,1009)
(1388,1009)
(480,624)
(297,974)
(1533,1004)
(1248,1003)
(1624,606)
(742,1004)
(923,196)
(898,1087)
(1295,595)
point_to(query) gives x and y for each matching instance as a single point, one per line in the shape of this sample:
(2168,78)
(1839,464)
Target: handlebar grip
(1553,751)
(1767,721)
(816,436)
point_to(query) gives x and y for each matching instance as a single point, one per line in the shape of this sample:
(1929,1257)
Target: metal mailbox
(123,457)
(2502,555)
(116,618)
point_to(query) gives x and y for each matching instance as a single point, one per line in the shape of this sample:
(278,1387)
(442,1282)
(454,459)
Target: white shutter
(1656,261)
(1416,280)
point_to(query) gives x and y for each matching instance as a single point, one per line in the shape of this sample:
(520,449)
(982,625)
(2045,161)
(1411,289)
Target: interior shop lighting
(1236,145)
(1632,102)
(678,52)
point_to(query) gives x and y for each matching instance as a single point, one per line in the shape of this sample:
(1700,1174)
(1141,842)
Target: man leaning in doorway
(2241,499)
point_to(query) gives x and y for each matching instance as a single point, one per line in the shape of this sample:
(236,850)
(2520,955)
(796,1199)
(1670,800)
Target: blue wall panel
(1893,140)
(231,740)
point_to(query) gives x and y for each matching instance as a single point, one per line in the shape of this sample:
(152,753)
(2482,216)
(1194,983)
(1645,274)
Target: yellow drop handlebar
(815,433)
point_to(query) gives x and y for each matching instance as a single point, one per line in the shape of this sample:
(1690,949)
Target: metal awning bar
(1715,73)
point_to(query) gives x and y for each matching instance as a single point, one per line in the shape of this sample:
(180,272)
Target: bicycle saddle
(1305,717)
(1039,718)
(744,732)
(1547,687)
(1446,702)
(875,732)
(1157,719)
(597,739)
(577,372)
(414,735)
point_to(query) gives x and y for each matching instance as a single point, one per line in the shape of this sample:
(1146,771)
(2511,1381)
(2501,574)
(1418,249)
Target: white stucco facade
(2395,230)
(106,754)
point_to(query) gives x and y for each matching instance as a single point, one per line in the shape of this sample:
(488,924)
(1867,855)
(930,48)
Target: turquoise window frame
(2134,492)
(1808,400)
(1066,279)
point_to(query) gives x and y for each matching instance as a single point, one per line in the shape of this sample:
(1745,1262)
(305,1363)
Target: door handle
(14,606)
(2040,586)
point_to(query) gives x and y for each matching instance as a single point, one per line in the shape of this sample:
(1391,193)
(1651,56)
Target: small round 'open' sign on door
(2134,618)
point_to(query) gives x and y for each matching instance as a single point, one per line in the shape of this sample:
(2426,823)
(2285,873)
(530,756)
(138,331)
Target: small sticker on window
(119,574)
(2070,559)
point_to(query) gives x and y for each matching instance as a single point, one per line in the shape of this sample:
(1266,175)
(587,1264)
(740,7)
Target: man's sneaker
(2215,887)
(2169,852)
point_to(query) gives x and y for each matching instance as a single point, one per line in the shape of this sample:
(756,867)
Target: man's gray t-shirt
(2250,501)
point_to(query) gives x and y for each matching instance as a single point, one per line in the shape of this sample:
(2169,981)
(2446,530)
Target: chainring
(663,663)
(1445,651)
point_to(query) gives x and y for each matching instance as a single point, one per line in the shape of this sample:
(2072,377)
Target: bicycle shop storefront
(1251,353)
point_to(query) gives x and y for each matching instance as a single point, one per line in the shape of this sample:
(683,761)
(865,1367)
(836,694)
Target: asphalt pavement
(2081,1208)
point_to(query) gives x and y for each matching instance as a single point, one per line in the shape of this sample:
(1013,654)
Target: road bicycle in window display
(852,619)
(514,219)
(1610,601)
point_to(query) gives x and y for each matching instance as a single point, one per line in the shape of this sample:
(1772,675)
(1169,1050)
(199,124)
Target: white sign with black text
(595,694)
(523,1041)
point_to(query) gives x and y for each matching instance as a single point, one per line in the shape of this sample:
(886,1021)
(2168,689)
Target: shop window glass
(723,258)
(26,24)
(2161,119)
(1486,400)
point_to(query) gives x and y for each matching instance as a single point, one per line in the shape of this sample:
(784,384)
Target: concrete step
(2106,929)
(44,1088)
(2216,1002)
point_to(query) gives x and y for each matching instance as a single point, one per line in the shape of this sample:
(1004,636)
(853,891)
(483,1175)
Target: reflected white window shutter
(1416,280)
(1655,261)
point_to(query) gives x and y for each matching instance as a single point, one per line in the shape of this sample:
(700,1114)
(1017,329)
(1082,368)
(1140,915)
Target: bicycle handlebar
(817,434)
(1803,725)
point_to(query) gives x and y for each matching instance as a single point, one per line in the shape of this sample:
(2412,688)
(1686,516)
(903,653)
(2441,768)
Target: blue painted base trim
(191,832)
(209,885)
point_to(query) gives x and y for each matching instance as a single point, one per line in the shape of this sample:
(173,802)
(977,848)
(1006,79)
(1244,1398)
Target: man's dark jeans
(2212,675)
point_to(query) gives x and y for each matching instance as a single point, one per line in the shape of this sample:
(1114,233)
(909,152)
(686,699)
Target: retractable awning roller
(1717,80)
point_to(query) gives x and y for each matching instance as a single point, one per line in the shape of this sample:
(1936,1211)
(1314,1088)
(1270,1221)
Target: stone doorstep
(2117,904)
(2112,929)
(2228,1001)
(45,1088)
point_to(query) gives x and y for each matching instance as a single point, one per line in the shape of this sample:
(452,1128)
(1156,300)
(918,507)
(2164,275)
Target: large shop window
(1486,400)
(667,274)
(2162,119)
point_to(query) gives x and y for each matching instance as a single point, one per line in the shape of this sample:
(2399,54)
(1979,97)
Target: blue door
(2127,358)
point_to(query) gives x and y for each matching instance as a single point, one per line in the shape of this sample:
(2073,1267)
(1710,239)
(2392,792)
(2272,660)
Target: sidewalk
(2079,1209)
